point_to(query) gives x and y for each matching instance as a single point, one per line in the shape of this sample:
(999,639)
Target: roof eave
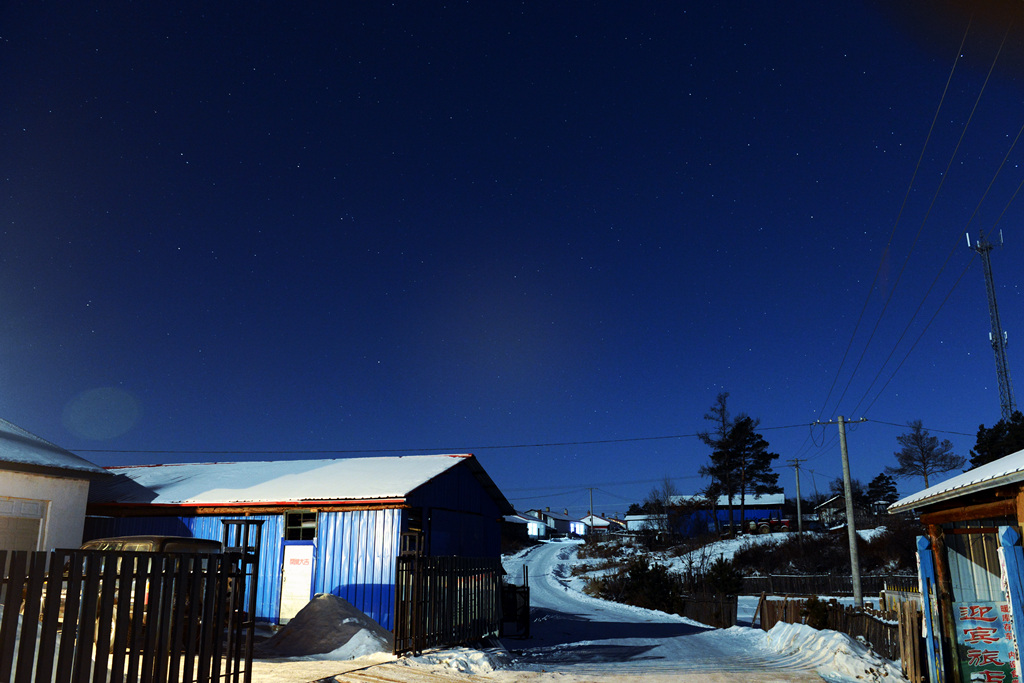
(53,470)
(960,491)
(248,506)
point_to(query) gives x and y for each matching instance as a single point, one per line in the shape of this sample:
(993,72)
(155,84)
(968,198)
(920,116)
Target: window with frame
(300,526)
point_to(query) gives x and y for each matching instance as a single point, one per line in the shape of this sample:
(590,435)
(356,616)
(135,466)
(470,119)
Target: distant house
(695,515)
(43,492)
(522,527)
(330,526)
(559,523)
(598,525)
(645,522)
(832,512)
(535,527)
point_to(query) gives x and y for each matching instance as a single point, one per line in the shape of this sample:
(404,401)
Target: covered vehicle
(155,544)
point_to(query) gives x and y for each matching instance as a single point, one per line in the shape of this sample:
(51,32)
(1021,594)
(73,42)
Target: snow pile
(329,627)
(461,659)
(836,656)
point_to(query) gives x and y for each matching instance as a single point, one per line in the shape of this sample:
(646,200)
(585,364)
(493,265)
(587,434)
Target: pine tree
(720,470)
(1001,439)
(752,460)
(740,461)
(882,489)
(923,454)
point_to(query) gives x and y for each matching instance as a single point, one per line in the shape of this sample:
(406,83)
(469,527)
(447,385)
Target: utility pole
(590,527)
(799,513)
(996,335)
(851,531)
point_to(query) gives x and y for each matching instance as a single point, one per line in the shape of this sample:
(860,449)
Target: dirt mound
(327,623)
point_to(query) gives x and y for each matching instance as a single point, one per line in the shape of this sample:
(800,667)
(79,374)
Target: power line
(823,446)
(919,337)
(906,329)
(903,426)
(447,449)
(892,233)
(924,220)
(612,483)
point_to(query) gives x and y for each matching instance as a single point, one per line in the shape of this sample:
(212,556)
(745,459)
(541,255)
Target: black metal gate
(445,601)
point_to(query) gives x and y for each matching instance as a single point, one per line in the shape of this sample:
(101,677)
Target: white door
(20,522)
(296,579)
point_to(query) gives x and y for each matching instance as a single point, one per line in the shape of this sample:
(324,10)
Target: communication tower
(996,335)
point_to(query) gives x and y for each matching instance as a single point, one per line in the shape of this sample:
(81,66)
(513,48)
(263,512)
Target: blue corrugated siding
(355,559)
(459,516)
(268,591)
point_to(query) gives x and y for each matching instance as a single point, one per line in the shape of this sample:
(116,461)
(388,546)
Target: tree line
(739,466)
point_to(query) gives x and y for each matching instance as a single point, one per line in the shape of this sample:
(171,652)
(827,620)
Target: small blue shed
(330,526)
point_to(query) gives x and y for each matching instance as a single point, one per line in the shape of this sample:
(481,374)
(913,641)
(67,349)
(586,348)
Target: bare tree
(923,454)
(659,504)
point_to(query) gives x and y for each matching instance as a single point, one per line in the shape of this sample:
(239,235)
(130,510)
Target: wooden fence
(714,610)
(912,643)
(445,601)
(895,634)
(98,616)
(822,584)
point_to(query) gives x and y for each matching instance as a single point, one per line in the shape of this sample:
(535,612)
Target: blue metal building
(336,524)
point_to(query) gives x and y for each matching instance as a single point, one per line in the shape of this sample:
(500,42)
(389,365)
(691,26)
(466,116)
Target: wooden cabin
(971,570)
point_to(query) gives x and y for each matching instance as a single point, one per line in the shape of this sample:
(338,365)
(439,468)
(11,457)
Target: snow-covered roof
(1006,470)
(279,481)
(565,517)
(594,520)
(26,451)
(830,501)
(521,519)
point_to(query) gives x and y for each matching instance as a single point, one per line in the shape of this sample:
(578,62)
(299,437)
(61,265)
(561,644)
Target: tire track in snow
(577,634)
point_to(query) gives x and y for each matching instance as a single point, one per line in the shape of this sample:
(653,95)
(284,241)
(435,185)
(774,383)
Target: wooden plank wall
(109,617)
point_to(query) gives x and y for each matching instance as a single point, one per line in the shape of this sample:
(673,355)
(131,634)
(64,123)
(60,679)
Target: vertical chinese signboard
(985,641)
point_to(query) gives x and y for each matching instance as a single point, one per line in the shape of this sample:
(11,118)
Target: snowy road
(574,634)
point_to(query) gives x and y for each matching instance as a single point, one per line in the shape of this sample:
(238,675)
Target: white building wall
(644,522)
(64,505)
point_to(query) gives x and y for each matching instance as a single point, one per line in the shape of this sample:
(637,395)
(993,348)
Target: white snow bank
(361,644)
(461,659)
(835,656)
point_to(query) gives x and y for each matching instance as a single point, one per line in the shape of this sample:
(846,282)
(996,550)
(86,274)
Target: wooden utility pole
(799,513)
(851,530)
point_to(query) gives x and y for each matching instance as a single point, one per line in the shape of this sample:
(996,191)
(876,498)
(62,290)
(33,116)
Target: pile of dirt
(326,624)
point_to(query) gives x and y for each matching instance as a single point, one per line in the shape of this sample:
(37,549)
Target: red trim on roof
(262,503)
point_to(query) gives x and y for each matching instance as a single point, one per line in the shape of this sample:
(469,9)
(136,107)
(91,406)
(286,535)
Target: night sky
(546,233)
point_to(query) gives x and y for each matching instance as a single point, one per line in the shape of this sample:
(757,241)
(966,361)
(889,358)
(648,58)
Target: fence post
(929,594)
(1013,574)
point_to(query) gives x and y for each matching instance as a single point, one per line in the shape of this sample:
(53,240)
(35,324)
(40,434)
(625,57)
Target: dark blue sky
(422,227)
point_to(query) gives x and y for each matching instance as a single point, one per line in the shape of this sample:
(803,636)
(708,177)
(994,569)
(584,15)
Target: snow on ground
(667,643)
(834,655)
(462,659)
(578,637)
